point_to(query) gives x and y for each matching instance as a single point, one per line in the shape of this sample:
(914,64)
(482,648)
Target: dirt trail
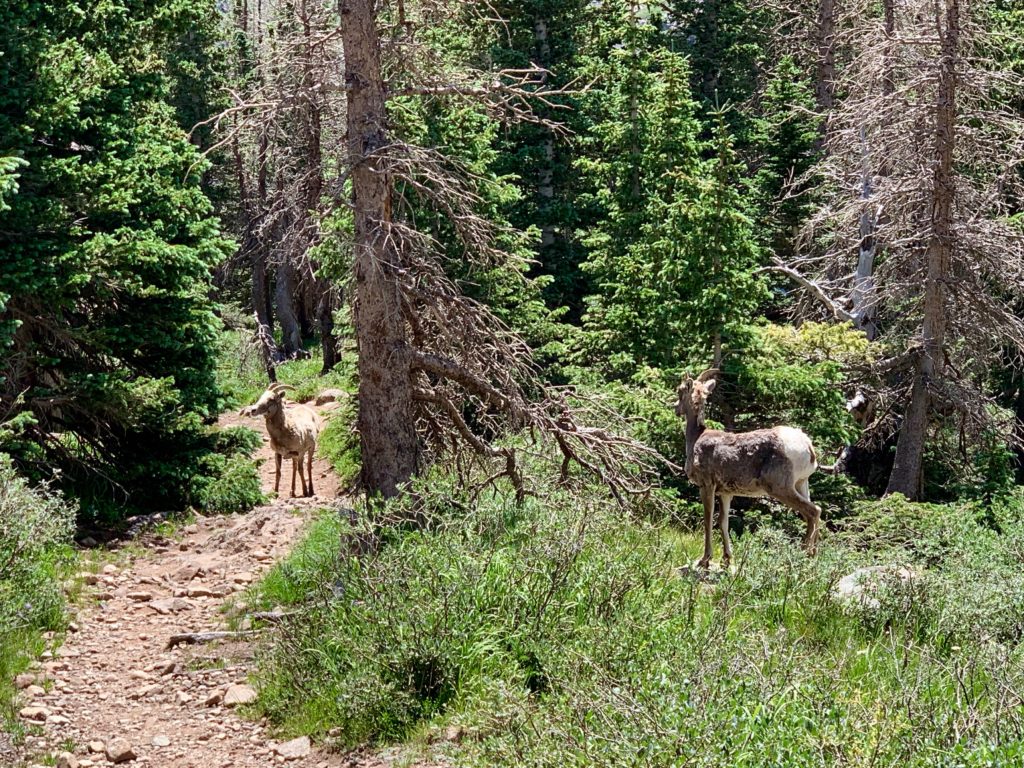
(115,678)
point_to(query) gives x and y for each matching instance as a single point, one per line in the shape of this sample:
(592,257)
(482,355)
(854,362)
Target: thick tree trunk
(906,471)
(387,430)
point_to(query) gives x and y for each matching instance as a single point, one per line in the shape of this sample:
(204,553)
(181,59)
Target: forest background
(507,230)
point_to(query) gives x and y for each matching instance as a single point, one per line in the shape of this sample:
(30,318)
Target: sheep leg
(707,495)
(809,512)
(277,472)
(309,471)
(724,501)
(295,467)
(814,521)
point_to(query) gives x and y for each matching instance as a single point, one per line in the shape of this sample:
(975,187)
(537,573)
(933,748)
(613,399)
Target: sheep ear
(710,386)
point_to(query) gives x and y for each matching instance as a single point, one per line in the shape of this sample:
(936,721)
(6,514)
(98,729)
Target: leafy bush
(36,525)
(228,480)
(560,633)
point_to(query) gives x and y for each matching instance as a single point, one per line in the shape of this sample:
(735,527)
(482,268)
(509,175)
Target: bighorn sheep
(293,430)
(766,462)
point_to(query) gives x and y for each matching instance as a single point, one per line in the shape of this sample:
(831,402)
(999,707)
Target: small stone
(57,720)
(35,712)
(138,674)
(294,749)
(110,568)
(24,680)
(97,747)
(141,596)
(67,760)
(145,691)
(200,592)
(183,698)
(119,751)
(331,396)
(239,694)
(34,691)
(161,741)
(215,698)
(185,574)
(169,605)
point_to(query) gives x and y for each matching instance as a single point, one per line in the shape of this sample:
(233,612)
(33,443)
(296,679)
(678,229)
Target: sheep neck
(275,419)
(694,429)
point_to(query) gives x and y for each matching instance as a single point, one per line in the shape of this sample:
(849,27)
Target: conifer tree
(107,250)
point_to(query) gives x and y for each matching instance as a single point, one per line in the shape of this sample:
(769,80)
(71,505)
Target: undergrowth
(561,633)
(35,556)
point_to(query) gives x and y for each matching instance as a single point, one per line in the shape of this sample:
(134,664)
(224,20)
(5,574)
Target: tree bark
(387,430)
(824,80)
(284,301)
(906,471)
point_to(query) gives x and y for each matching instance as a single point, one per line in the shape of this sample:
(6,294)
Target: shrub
(559,633)
(36,525)
(228,480)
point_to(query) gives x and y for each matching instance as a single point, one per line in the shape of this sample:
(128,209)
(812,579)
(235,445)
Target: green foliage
(35,536)
(108,248)
(559,633)
(787,375)
(228,480)
(784,140)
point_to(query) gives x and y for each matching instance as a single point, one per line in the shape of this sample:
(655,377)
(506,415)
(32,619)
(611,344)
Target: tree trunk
(824,80)
(284,300)
(906,471)
(387,430)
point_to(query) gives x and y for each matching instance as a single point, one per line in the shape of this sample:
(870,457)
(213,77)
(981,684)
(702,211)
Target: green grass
(561,633)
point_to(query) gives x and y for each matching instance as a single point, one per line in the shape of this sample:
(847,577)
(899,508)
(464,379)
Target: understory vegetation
(35,557)
(560,633)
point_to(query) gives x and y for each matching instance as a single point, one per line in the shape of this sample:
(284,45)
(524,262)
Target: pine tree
(107,250)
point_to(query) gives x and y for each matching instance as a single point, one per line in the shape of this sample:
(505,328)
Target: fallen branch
(191,638)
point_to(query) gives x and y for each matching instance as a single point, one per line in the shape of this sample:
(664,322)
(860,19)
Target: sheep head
(693,394)
(269,402)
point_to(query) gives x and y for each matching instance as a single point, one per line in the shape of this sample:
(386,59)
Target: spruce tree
(107,251)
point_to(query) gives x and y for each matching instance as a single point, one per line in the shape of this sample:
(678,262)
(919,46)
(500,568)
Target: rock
(239,694)
(169,605)
(138,674)
(862,587)
(454,733)
(119,751)
(90,578)
(183,698)
(294,749)
(215,698)
(24,680)
(186,573)
(201,591)
(110,568)
(161,741)
(97,747)
(35,691)
(34,712)
(141,596)
(67,760)
(145,691)
(89,543)
(330,396)
(57,720)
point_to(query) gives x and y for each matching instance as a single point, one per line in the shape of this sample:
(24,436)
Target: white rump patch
(799,450)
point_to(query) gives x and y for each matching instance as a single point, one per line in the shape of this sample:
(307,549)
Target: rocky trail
(116,693)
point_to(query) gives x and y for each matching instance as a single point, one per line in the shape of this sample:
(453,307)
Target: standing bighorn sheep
(293,430)
(766,462)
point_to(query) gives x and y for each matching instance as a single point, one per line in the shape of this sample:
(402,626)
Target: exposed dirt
(116,686)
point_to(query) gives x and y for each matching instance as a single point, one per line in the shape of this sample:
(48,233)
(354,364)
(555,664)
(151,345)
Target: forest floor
(116,689)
